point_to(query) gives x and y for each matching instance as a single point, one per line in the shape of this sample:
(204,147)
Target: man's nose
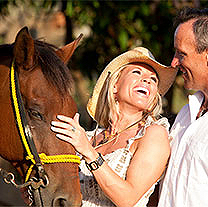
(175,62)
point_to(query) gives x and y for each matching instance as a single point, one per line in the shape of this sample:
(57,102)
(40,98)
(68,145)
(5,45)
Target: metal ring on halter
(73,129)
(9,178)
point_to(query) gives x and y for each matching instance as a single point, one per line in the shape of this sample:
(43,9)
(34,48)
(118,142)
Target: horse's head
(45,85)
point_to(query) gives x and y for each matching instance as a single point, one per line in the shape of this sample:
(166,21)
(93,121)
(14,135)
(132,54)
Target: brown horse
(44,85)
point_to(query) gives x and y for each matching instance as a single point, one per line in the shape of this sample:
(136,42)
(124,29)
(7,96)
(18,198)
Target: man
(186,180)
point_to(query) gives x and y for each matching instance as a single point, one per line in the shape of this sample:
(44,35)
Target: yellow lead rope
(44,158)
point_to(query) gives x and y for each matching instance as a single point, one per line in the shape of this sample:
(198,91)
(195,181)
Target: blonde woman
(124,158)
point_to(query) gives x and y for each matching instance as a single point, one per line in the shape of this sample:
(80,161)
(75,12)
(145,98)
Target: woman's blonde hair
(107,105)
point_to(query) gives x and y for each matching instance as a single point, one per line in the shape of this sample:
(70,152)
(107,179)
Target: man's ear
(206,56)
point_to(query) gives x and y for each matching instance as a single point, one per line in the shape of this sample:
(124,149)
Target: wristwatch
(94,165)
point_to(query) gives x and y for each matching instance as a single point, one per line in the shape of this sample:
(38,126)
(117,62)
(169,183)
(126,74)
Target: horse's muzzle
(63,202)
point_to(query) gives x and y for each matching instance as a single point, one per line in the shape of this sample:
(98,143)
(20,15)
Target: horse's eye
(35,114)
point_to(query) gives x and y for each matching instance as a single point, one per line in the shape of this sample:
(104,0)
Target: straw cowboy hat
(139,54)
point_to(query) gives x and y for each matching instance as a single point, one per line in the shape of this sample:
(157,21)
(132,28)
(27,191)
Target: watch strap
(94,165)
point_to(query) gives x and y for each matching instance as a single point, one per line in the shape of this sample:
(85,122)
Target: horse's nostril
(60,202)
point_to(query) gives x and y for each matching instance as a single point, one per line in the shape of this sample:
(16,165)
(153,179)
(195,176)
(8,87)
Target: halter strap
(26,135)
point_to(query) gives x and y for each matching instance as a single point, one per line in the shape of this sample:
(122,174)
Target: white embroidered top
(119,160)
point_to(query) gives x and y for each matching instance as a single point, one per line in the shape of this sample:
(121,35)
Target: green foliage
(4,6)
(116,26)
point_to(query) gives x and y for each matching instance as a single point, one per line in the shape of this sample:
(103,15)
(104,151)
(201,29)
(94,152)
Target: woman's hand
(69,130)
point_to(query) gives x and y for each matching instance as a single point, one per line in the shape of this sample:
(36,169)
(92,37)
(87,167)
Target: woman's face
(136,87)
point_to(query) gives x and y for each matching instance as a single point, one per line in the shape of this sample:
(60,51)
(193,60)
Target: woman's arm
(145,168)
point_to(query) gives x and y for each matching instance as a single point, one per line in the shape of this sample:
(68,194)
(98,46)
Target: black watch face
(93,165)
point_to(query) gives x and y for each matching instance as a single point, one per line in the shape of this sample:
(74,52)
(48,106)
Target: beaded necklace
(201,113)
(202,110)
(112,137)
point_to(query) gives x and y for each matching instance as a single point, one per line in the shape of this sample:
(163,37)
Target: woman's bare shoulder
(155,139)
(156,132)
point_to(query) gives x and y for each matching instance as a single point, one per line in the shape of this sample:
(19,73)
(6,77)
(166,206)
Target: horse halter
(26,136)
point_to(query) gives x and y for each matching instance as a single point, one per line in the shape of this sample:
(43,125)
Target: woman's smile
(142,91)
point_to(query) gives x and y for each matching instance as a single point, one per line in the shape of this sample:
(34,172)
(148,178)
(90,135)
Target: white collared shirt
(186,180)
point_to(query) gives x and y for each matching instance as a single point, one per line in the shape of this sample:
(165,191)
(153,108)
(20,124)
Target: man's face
(192,64)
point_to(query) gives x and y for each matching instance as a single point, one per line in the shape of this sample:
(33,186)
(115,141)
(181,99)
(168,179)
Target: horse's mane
(6,49)
(54,70)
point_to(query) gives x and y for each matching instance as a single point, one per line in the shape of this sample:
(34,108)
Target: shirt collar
(195,102)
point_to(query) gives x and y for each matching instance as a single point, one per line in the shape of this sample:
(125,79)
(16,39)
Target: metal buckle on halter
(43,178)
(37,183)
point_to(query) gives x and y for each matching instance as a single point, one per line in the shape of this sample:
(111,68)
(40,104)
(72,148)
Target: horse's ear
(24,48)
(67,51)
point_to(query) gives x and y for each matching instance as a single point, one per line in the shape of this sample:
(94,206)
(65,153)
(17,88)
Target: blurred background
(109,28)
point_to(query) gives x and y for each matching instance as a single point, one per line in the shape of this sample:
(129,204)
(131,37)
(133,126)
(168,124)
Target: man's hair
(200,25)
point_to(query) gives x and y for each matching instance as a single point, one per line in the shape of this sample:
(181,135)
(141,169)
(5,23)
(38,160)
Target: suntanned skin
(151,152)
(195,70)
